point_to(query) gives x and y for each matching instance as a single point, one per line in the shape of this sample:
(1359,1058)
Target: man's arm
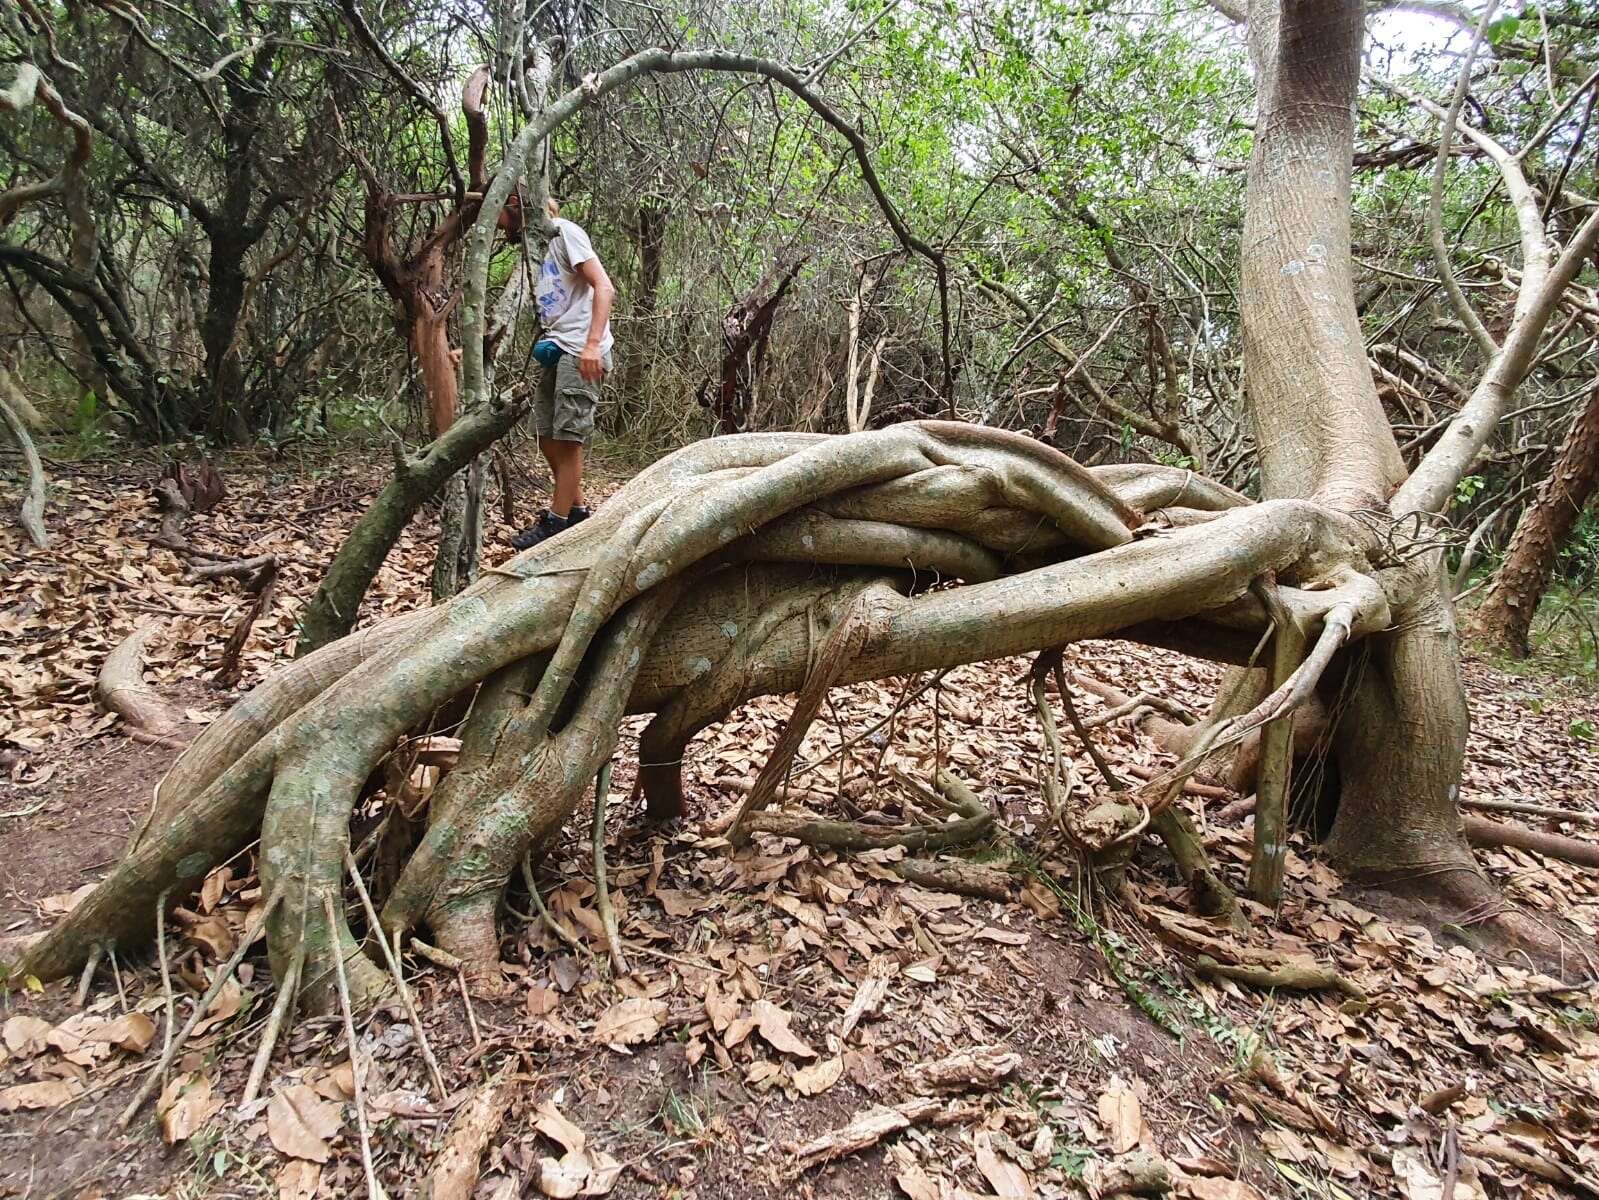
(591,363)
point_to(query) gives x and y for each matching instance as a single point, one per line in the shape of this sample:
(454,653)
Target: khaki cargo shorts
(564,410)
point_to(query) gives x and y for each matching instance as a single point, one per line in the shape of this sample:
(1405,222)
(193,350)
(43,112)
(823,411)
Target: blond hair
(552,207)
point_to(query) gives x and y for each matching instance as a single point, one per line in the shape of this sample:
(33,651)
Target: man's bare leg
(566,464)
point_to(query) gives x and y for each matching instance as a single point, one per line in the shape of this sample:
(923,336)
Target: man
(574,296)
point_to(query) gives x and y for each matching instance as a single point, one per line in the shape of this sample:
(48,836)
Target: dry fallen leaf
(59,905)
(1122,1116)
(772,1024)
(213,936)
(549,1121)
(298,1180)
(918,1184)
(1005,1177)
(337,1083)
(301,1123)
(565,1177)
(1219,1188)
(604,1171)
(25,1035)
(629,1022)
(1006,937)
(186,1104)
(1419,1181)
(223,1009)
(721,1009)
(679,904)
(541,1000)
(51,1093)
(818,1077)
(211,889)
(133,1033)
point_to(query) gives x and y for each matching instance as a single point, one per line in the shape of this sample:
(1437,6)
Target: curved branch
(664,62)
(477,128)
(121,687)
(1435,200)
(32,515)
(367,38)
(68,182)
(1543,281)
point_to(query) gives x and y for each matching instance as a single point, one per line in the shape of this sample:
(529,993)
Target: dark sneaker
(578,512)
(547,526)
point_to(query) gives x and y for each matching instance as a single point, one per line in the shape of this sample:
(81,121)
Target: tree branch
(1435,200)
(366,37)
(659,61)
(1544,279)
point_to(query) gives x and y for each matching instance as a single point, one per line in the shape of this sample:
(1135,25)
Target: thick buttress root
(716,575)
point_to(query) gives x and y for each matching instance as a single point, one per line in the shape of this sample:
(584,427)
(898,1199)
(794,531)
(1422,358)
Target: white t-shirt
(565,299)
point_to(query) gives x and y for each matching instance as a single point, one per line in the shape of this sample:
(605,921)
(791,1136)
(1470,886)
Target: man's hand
(591,364)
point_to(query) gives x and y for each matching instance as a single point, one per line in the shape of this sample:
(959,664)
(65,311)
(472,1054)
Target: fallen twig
(1539,1165)
(264,586)
(1304,977)
(233,568)
(439,958)
(1205,791)
(166,978)
(1138,1173)
(374,1190)
(555,927)
(86,979)
(1569,815)
(466,1001)
(853,835)
(872,1126)
(981,1067)
(393,961)
(1250,965)
(224,973)
(269,1036)
(602,889)
(869,994)
(961,878)
(455,1170)
(1482,832)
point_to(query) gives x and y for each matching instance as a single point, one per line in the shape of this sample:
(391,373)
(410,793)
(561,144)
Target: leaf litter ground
(796,1020)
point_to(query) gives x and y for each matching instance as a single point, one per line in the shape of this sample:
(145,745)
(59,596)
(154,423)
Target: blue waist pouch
(548,353)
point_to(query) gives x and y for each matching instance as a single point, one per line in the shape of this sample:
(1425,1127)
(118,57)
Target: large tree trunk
(224,375)
(1399,741)
(1505,618)
(642,297)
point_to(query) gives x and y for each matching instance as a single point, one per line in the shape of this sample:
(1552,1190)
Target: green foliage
(90,431)
(1502,29)
(1467,489)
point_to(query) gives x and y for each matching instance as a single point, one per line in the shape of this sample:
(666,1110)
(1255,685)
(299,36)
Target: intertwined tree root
(711,578)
